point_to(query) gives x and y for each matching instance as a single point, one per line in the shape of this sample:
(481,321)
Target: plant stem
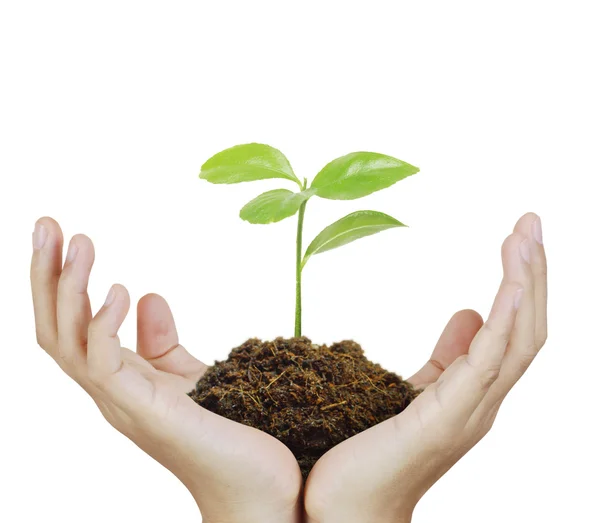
(298,323)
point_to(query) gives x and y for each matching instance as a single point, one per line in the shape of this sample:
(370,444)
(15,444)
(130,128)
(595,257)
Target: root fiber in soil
(311,397)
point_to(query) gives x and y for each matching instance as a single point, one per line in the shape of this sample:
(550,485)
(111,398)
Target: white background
(107,111)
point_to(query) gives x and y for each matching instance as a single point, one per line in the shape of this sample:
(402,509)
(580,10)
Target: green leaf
(358,174)
(273,206)
(246,163)
(352,227)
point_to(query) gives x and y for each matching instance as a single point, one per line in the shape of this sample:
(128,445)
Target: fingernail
(39,236)
(518,297)
(110,297)
(524,248)
(537,231)
(72,252)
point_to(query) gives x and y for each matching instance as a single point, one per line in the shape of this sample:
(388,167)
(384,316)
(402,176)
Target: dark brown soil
(311,397)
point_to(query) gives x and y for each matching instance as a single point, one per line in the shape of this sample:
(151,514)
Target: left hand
(380,474)
(234,472)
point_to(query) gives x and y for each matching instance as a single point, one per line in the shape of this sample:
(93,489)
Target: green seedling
(347,178)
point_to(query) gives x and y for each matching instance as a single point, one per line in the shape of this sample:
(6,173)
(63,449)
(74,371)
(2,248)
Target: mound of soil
(311,397)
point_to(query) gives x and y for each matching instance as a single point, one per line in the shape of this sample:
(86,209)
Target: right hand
(234,472)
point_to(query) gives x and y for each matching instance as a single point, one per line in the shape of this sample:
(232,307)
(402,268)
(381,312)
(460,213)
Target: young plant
(347,178)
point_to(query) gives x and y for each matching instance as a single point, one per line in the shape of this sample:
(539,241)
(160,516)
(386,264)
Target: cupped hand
(235,472)
(380,474)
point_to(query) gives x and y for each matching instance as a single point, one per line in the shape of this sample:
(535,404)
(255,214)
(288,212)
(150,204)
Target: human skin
(380,474)
(239,474)
(234,472)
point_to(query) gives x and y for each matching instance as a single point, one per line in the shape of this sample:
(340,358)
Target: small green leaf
(358,174)
(246,163)
(273,206)
(352,227)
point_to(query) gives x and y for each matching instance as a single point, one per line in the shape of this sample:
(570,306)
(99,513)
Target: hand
(235,473)
(380,474)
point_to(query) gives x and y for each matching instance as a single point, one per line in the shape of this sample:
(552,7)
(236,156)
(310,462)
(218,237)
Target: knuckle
(71,285)
(488,375)
(109,414)
(487,426)
(94,330)
(541,338)
(496,334)
(524,362)
(530,349)
(483,431)
(44,341)
(64,361)
(488,422)
(479,431)
(484,420)
(481,428)
(490,419)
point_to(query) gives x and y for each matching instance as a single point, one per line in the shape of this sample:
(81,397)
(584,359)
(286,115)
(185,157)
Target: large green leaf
(246,163)
(358,174)
(273,206)
(352,227)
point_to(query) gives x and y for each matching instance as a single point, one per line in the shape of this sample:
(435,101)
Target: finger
(104,347)
(514,253)
(522,344)
(158,342)
(467,381)
(454,342)
(46,266)
(471,376)
(74,311)
(530,225)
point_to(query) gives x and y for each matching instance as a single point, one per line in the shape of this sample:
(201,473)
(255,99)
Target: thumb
(158,342)
(454,342)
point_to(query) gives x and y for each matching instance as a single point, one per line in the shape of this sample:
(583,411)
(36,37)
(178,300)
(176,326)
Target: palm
(164,394)
(157,381)
(366,458)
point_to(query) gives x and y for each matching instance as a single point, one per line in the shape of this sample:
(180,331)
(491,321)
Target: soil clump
(310,397)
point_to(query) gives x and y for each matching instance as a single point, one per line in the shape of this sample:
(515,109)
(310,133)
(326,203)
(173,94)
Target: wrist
(246,513)
(249,518)
(350,513)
